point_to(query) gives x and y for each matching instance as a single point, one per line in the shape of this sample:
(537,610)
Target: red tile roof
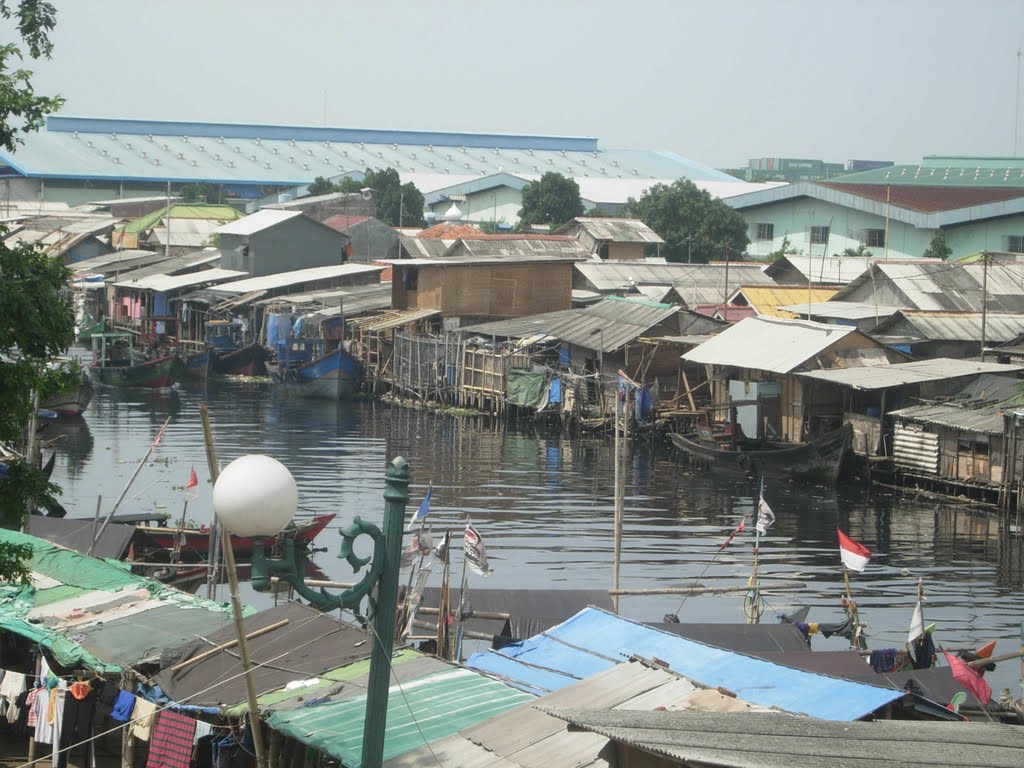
(342,221)
(926,199)
(448,230)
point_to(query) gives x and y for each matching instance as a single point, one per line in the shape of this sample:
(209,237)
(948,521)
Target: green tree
(785,249)
(36,321)
(860,252)
(598,213)
(201,192)
(553,200)
(397,204)
(321,186)
(695,226)
(938,248)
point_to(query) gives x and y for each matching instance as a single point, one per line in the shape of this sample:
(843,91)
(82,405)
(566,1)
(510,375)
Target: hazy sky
(718,82)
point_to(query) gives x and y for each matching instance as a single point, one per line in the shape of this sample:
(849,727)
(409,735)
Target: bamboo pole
(702,590)
(230,644)
(236,603)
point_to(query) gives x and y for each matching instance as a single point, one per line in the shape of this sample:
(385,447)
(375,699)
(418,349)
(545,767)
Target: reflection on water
(543,504)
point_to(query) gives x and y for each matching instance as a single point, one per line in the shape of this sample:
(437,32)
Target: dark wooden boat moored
(70,402)
(196,364)
(249,360)
(817,461)
(196,541)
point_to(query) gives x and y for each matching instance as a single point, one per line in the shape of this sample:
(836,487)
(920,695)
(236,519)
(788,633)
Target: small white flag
(916,628)
(765,517)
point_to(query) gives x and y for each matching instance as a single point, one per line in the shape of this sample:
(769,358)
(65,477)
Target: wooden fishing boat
(817,461)
(302,368)
(249,360)
(195,542)
(116,363)
(196,365)
(70,402)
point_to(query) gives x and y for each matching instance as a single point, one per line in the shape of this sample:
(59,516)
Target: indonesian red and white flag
(854,554)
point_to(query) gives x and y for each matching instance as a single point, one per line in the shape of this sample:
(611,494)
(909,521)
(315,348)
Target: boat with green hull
(115,363)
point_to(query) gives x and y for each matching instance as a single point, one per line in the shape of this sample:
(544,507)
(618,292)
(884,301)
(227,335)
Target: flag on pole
(423,510)
(159,435)
(192,486)
(474,551)
(765,516)
(420,545)
(735,531)
(916,629)
(968,678)
(855,555)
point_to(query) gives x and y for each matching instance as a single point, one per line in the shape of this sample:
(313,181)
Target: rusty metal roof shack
(755,740)
(1000,327)
(295,642)
(527,737)
(903,374)
(606,326)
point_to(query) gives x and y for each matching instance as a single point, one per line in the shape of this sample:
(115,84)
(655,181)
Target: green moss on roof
(183,211)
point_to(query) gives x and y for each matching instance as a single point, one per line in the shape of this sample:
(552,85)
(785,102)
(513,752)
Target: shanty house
(958,443)
(939,286)
(753,366)
(371,239)
(179,228)
(612,239)
(864,396)
(472,289)
(947,334)
(769,300)
(694,283)
(271,241)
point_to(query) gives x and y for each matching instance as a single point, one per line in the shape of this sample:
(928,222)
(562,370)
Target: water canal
(544,506)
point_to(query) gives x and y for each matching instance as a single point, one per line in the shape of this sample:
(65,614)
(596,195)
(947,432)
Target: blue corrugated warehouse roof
(149,150)
(594,640)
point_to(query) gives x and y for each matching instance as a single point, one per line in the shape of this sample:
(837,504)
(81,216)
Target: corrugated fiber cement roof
(594,640)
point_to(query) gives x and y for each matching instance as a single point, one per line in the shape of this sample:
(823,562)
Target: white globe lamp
(255,496)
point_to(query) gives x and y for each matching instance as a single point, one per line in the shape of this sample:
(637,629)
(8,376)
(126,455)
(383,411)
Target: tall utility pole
(984,300)
(1016,114)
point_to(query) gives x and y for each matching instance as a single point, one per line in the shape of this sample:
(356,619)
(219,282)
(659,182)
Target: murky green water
(544,506)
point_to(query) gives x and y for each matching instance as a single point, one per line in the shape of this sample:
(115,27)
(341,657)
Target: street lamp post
(243,500)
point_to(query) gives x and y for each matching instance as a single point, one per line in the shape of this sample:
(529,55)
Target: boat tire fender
(743,462)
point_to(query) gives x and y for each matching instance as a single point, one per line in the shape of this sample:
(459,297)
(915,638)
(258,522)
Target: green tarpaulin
(524,387)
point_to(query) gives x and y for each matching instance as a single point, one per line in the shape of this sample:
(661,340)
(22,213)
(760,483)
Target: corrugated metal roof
(613,230)
(392,319)
(526,736)
(274,154)
(901,374)
(606,326)
(424,247)
(613,275)
(842,310)
(755,740)
(426,708)
(118,260)
(933,285)
(768,344)
(926,198)
(987,420)
(524,247)
(768,300)
(297,277)
(823,270)
(594,640)
(172,265)
(265,218)
(951,326)
(163,282)
(310,644)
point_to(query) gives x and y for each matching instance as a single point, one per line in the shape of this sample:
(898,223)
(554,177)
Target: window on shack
(976,445)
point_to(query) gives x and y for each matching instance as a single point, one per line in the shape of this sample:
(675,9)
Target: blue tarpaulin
(594,639)
(555,391)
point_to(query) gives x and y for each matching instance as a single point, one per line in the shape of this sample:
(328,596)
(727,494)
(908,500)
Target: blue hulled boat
(304,368)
